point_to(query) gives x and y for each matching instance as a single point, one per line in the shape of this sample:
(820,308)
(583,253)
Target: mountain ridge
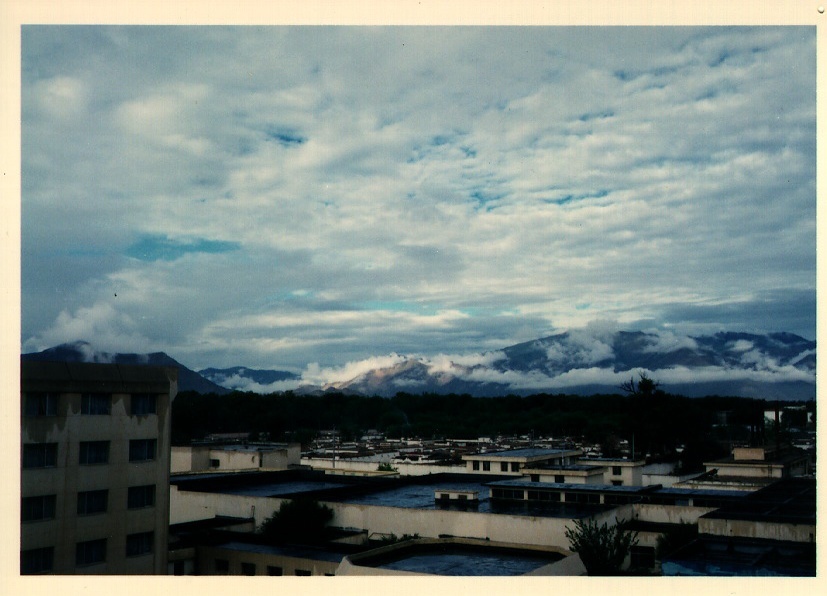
(580,361)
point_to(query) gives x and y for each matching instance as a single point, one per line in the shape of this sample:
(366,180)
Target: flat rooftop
(287,550)
(460,560)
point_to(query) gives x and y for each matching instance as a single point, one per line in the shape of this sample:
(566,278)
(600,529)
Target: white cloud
(558,175)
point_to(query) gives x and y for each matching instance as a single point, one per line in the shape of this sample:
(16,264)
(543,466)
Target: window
(486,466)
(462,497)
(139,544)
(616,470)
(248,569)
(142,449)
(214,463)
(94,452)
(617,483)
(303,572)
(90,552)
(40,455)
(93,404)
(515,467)
(139,497)
(559,478)
(37,560)
(37,508)
(222,566)
(273,570)
(535,478)
(504,466)
(92,501)
(476,465)
(178,568)
(143,404)
(40,404)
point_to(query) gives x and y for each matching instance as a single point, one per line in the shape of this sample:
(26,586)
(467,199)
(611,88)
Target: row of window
(44,455)
(222,566)
(90,502)
(91,404)
(90,552)
(504,466)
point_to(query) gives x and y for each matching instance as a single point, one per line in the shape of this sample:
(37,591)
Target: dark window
(141,496)
(95,403)
(303,572)
(139,544)
(222,566)
(273,570)
(143,404)
(476,465)
(94,452)
(617,483)
(214,463)
(559,478)
(92,501)
(616,470)
(90,552)
(515,467)
(142,449)
(486,466)
(444,496)
(535,478)
(178,568)
(40,455)
(40,404)
(504,466)
(463,497)
(38,508)
(37,560)
(248,569)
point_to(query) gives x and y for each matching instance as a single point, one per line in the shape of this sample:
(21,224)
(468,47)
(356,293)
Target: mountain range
(585,361)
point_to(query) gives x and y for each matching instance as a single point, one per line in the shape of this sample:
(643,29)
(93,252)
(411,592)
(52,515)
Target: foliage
(602,548)
(386,467)
(299,520)
(646,386)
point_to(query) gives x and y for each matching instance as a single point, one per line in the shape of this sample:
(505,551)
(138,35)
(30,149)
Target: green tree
(299,520)
(602,548)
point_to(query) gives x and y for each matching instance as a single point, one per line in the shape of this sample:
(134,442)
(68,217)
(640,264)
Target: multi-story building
(95,467)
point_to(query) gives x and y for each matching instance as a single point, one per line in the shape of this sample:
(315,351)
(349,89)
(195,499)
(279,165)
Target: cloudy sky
(280,197)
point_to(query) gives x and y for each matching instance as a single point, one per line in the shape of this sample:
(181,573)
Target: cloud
(100,325)
(501,182)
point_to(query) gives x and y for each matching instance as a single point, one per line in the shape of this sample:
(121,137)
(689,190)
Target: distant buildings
(95,468)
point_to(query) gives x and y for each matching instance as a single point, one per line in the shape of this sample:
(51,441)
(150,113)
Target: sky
(301,198)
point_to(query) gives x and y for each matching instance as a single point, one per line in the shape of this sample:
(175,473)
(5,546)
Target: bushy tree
(602,548)
(299,520)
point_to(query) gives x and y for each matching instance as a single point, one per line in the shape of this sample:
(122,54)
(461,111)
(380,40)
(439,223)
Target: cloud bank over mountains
(582,360)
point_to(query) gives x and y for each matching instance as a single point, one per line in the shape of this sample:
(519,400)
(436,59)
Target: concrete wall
(357,466)
(668,514)
(753,529)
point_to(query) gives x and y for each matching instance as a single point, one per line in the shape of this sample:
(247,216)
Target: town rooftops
(523,455)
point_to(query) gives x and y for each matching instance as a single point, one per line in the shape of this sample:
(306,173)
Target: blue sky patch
(163,248)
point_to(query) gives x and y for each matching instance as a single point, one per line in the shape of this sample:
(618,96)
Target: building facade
(95,467)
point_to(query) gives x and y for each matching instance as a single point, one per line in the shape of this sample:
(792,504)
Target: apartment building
(95,461)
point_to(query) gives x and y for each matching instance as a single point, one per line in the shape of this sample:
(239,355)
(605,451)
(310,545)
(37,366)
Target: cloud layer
(277,196)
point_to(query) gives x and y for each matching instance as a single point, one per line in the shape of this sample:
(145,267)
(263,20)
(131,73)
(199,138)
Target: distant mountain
(583,361)
(81,351)
(773,366)
(247,379)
